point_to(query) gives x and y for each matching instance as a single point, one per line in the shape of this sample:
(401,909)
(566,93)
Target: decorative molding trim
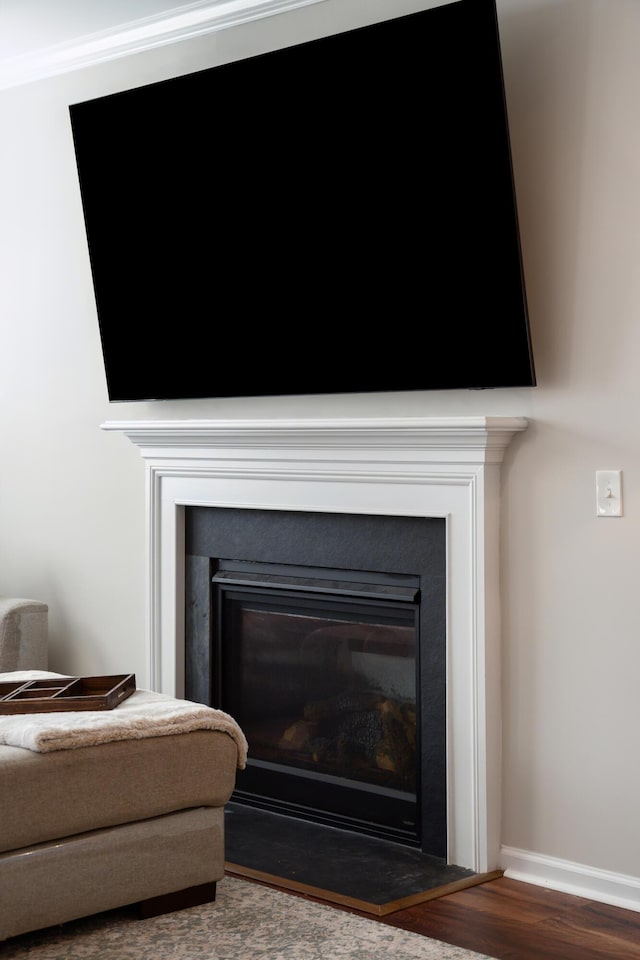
(577,879)
(423,467)
(446,439)
(182,23)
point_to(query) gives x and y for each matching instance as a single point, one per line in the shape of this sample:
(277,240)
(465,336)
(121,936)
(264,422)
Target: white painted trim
(579,880)
(447,467)
(182,23)
(436,439)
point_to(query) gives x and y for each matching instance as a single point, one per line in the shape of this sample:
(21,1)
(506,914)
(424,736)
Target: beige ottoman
(94,828)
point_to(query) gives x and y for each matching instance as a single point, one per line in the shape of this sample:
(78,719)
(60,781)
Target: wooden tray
(53,694)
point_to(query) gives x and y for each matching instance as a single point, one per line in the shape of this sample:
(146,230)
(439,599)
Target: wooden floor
(511,920)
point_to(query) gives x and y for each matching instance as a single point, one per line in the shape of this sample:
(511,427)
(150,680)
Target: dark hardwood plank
(511,920)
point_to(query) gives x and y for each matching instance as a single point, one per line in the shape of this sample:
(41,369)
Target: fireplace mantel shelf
(424,467)
(482,438)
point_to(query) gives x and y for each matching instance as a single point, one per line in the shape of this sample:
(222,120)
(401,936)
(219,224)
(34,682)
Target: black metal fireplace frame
(377,803)
(363,543)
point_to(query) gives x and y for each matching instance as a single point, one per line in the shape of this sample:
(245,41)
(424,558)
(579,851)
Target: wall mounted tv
(334,216)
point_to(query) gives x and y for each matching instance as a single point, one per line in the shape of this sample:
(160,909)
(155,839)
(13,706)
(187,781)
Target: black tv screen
(335,216)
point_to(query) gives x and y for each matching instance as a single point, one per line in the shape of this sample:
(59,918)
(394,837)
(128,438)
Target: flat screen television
(335,216)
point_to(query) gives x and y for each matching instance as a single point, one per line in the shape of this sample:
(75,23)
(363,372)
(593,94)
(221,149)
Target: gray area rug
(247,922)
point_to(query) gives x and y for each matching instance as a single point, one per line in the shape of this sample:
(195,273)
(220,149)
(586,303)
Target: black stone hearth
(373,875)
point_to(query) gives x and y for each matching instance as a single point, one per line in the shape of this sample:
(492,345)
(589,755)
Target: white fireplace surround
(422,467)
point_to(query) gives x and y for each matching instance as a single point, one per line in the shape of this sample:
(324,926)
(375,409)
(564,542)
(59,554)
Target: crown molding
(173,26)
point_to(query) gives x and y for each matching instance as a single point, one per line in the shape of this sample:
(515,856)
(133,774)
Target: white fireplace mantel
(425,467)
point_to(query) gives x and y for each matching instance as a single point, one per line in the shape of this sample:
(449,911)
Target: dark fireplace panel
(324,636)
(320,670)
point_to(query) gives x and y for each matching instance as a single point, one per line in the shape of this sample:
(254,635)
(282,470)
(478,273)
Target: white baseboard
(574,878)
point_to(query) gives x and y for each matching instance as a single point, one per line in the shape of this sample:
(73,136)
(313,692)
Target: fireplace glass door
(319,667)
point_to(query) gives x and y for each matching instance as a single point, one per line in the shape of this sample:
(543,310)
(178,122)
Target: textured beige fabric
(144,713)
(53,883)
(24,628)
(55,795)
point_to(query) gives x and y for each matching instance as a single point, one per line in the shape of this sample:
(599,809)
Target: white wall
(72,496)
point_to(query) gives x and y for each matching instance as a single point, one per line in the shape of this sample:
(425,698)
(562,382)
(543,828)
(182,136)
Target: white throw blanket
(143,714)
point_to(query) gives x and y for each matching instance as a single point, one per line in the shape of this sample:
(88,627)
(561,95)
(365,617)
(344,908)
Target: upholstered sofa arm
(23,634)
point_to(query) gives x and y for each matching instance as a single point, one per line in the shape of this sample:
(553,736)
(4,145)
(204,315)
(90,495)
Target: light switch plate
(609,493)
